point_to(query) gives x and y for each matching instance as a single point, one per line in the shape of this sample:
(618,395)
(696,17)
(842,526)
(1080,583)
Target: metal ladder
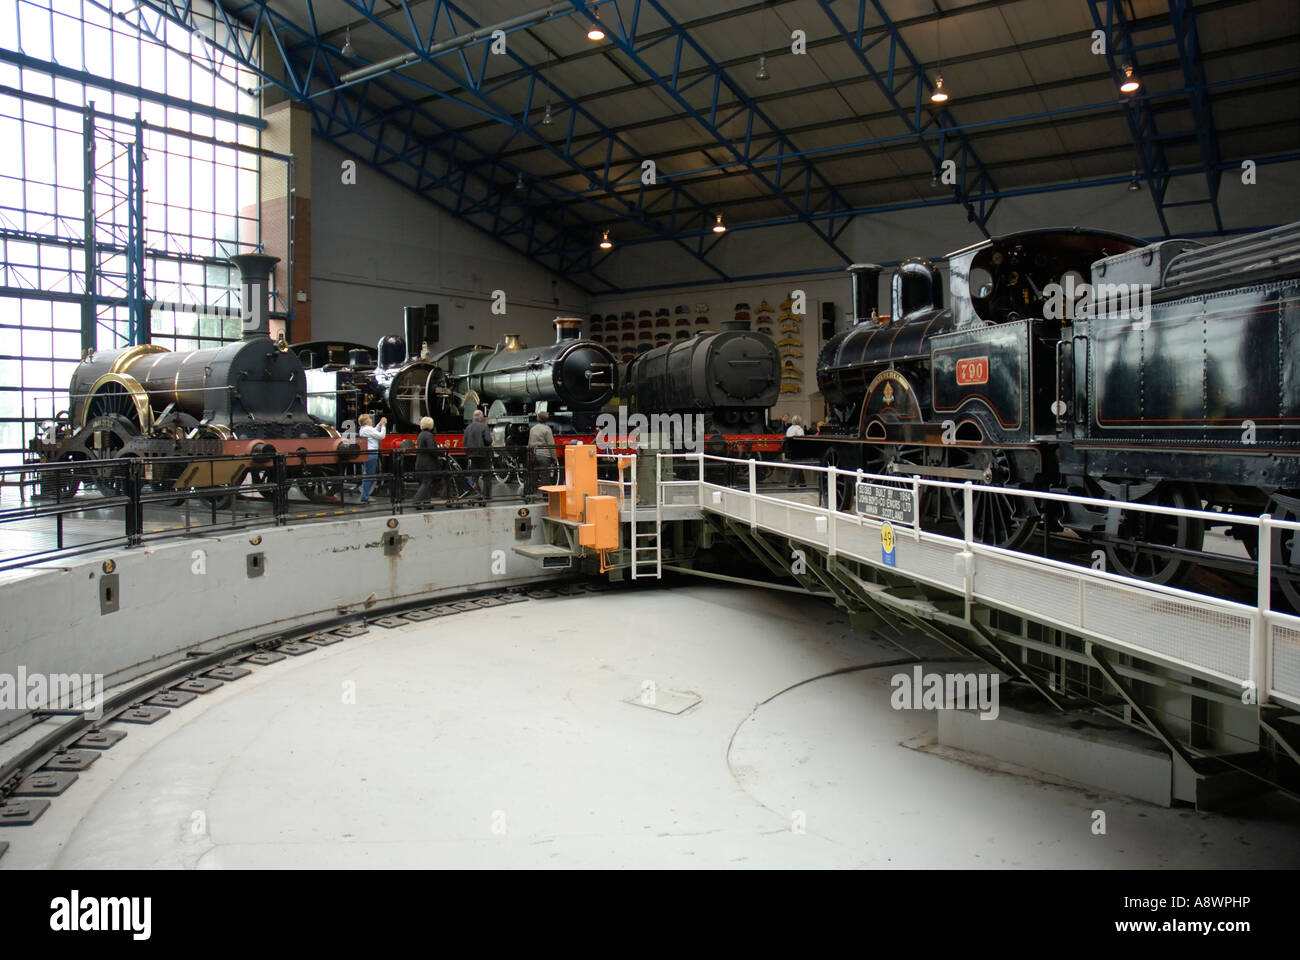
(646,553)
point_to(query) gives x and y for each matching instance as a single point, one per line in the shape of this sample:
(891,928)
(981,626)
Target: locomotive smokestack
(413,322)
(735,325)
(866,290)
(254,279)
(567,328)
(421,325)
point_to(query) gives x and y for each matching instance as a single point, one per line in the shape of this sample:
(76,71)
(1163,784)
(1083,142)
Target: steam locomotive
(1172,379)
(246,399)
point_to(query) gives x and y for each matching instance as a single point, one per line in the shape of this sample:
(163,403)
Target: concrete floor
(504,737)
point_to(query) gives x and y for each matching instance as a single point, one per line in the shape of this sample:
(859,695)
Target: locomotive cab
(1038,279)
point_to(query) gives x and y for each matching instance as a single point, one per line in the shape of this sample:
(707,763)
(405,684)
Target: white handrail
(1263,620)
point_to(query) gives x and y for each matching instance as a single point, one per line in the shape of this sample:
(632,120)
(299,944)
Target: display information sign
(883,502)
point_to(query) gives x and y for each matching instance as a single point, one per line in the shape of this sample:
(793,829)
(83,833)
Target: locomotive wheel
(930,511)
(845,486)
(1129,553)
(507,469)
(320,484)
(62,484)
(1001,520)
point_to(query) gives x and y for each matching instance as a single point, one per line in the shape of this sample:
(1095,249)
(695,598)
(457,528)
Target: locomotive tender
(731,378)
(1188,394)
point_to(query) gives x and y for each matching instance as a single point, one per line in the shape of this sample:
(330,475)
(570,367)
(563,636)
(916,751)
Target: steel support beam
(900,70)
(374,122)
(762,138)
(1183,16)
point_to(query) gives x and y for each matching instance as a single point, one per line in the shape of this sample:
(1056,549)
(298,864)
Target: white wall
(377,247)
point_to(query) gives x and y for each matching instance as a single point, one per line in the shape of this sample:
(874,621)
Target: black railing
(68,508)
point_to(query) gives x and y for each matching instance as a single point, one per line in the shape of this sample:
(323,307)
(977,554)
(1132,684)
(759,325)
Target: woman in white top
(372,435)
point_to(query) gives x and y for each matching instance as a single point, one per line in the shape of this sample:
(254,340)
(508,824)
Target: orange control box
(600,531)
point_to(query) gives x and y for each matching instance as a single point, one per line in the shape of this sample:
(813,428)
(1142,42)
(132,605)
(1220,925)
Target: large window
(168,154)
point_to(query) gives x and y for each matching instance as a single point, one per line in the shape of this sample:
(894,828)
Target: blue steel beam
(606,160)
(761,135)
(892,78)
(1121,50)
(299,44)
(999,194)
(381,119)
(1183,16)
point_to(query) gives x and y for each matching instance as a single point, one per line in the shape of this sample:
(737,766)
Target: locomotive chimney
(567,328)
(421,325)
(254,280)
(741,325)
(865,278)
(413,323)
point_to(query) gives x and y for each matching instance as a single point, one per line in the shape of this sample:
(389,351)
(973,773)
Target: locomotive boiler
(570,379)
(1088,363)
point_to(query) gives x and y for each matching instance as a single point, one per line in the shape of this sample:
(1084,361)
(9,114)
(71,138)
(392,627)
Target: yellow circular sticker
(887,538)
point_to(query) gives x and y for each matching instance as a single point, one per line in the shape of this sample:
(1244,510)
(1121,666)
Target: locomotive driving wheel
(63,484)
(1133,549)
(1001,520)
(845,485)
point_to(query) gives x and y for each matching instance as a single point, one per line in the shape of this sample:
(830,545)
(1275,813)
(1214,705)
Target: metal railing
(69,508)
(1243,641)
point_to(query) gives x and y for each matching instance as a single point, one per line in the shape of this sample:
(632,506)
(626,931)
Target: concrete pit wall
(159,601)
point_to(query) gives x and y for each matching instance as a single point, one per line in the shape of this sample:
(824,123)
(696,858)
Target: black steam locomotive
(1087,363)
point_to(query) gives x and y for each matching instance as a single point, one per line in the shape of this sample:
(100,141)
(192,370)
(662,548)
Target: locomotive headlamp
(392,523)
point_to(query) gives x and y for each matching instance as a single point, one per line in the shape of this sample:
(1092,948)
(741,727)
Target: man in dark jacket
(478,440)
(426,445)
